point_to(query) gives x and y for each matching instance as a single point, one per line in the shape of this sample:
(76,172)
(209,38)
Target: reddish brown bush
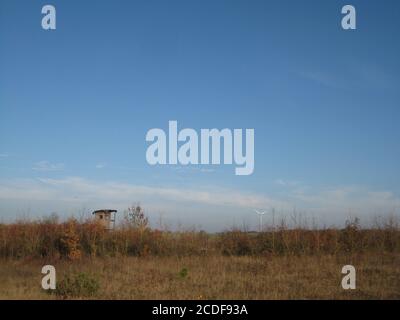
(73,239)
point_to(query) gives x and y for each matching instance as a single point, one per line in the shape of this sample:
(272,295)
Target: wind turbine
(260,214)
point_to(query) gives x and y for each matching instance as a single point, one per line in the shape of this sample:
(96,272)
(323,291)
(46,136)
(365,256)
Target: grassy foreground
(137,262)
(213,277)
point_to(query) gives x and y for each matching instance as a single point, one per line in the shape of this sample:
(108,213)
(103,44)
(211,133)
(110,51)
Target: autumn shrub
(68,244)
(48,238)
(236,243)
(92,236)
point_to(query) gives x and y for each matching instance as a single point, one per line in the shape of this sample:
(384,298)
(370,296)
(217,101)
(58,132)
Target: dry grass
(215,277)
(140,263)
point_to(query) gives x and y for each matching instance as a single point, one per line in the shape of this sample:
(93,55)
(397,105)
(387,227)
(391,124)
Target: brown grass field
(136,262)
(215,277)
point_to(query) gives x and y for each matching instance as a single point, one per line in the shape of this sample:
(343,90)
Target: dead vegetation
(137,262)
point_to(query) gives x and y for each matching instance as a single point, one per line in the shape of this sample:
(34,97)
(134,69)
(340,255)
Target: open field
(214,277)
(136,262)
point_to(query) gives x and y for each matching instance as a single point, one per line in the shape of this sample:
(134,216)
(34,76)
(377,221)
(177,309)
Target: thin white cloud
(77,188)
(100,165)
(207,170)
(286,183)
(358,199)
(124,192)
(192,169)
(4,155)
(363,75)
(47,166)
(372,75)
(215,209)
(319,77)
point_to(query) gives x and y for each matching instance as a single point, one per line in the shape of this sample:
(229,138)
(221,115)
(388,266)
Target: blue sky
(76,104)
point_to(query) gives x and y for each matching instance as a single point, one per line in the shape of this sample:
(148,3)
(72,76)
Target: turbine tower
(260,214)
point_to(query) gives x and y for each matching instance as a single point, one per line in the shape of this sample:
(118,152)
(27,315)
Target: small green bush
(183,273)
(78,285)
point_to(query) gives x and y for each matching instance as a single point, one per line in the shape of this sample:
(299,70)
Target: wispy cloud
(4,155)
(212,208)
(75,190)
(357,74)
(101,165)
(287,183)
(186,169)
(322,78)
(47,166)
(374,76)
(341,201)
(124,192)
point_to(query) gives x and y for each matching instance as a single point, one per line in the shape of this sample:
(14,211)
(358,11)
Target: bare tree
(136,217)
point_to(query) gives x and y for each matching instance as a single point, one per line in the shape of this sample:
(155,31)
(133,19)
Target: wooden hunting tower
(106,217)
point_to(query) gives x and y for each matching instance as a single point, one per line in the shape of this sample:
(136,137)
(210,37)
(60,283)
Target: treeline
(73,240)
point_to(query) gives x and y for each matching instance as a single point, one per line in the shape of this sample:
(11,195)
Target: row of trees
(74,240)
